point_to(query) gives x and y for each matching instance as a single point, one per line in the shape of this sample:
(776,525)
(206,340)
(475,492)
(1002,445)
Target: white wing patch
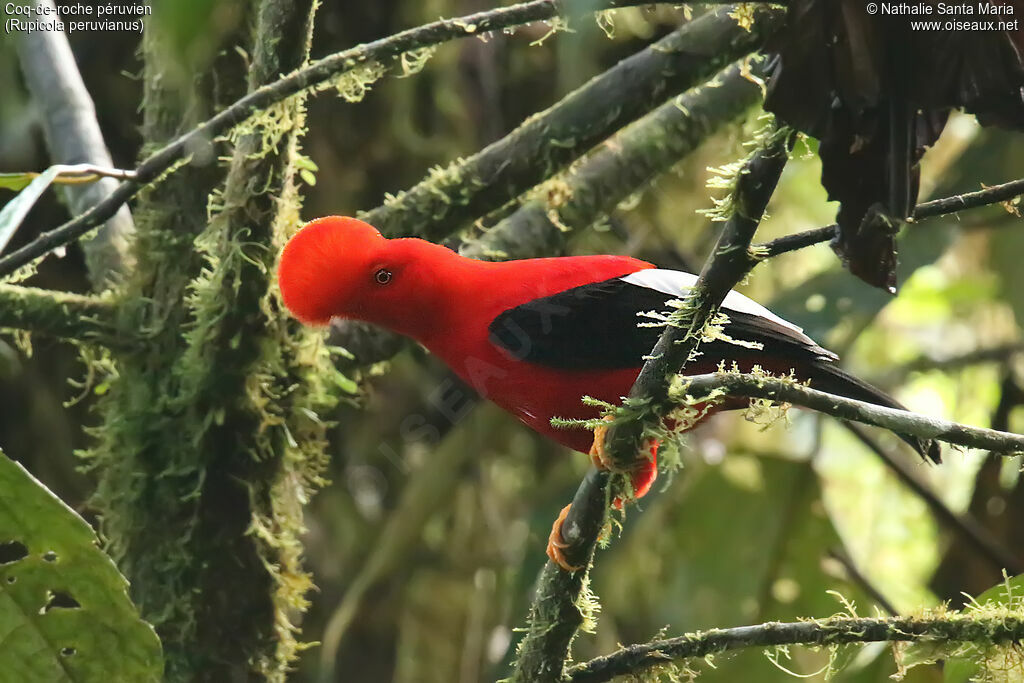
(678,284)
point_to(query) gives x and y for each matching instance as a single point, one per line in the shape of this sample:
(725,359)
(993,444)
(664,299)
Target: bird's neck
(441,293)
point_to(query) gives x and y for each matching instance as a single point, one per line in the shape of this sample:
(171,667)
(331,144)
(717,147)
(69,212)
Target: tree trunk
(209,444)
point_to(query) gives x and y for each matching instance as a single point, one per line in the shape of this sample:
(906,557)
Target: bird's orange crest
(318,263)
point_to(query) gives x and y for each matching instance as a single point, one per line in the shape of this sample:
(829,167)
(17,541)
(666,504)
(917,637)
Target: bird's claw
(598,454)
(642,476)
(557,544)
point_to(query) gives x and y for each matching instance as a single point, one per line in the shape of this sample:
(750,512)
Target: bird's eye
(382,276)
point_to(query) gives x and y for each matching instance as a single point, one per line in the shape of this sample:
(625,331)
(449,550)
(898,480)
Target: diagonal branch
(298,81)
(992,354)
(555,615)
(730,262)
(615,170)
(697,388)
(949,628)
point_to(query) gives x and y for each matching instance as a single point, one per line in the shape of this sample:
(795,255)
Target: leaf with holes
(64,609)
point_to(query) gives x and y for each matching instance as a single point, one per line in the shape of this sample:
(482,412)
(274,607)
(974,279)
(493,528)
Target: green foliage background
(425,545)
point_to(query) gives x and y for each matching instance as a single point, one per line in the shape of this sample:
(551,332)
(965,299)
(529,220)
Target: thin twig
(965,526)
(936,207)
(984,355)
(314,74)
(698,388)
(555,614)
(970,200)
(79,174)
(949,628)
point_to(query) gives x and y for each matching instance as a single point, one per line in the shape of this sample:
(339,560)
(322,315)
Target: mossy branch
(620,166)
(547,142)
(898,421)
(315,73)
(936,207)
(60,314)
(954,628)
(555,614)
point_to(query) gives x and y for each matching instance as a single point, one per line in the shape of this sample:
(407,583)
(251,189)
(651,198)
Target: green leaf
(1009,592)
(958,670)
(14,211)
(16,181)
(64,609)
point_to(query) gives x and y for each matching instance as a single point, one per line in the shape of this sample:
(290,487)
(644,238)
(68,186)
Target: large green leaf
(64,609)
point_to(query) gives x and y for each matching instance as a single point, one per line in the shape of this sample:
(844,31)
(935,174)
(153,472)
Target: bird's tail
(826,377)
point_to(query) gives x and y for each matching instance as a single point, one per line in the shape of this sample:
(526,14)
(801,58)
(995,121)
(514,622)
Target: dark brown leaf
(877,93)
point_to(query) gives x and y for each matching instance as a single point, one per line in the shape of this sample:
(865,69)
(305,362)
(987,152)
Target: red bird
(535,335)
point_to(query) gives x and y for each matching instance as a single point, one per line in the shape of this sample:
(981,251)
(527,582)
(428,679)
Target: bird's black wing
(601,326)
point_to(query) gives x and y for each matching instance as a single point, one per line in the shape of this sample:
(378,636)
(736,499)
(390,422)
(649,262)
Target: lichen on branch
(718,385)
(619,167)
(957,633)
(212,439)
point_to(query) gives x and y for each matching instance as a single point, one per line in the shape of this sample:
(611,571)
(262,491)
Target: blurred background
(427,541)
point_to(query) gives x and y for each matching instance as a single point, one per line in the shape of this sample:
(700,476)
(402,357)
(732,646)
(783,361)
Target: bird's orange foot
(597,452)
(557,544)
(642,476)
